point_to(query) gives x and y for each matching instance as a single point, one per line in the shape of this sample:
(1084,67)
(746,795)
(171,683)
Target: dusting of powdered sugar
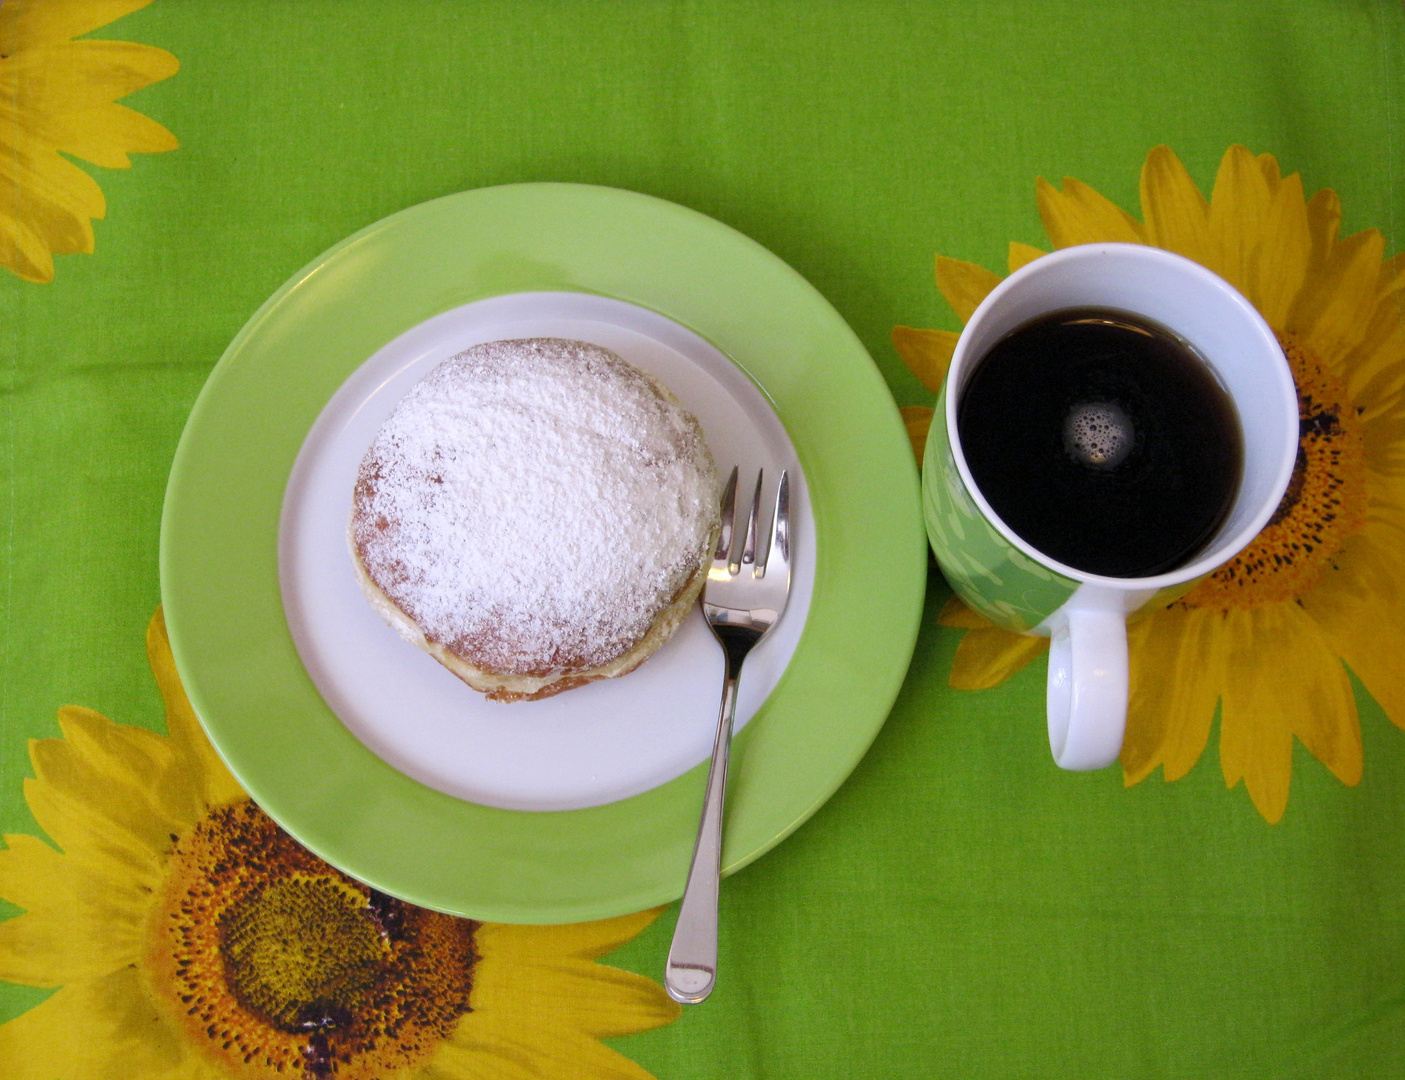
(532,504)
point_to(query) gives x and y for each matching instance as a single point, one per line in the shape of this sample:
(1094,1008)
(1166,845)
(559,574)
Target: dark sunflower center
(1325,502)
(300,951)
(1291,497)
(278,964)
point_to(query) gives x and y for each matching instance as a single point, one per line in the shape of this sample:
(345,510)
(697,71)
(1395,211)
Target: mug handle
(1087,690)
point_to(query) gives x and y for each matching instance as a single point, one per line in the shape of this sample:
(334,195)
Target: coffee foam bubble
(1098,434)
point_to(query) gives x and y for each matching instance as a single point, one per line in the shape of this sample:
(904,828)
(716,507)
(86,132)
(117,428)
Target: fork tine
(780,523)
(749,545)
(729,503)
(778,534)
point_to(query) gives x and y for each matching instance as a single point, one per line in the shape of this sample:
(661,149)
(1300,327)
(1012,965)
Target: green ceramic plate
(219,549)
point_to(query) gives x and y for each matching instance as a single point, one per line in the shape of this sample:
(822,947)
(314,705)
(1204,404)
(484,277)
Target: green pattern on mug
(989,573)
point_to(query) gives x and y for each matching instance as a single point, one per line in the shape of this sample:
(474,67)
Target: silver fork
(746,591)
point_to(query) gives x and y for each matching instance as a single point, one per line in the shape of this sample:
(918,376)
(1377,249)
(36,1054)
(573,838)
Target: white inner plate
(605,741)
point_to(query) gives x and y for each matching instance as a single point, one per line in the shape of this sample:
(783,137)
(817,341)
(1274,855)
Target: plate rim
(550,226)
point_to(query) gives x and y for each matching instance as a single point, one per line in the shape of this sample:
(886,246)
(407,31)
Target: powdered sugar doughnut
(536,514)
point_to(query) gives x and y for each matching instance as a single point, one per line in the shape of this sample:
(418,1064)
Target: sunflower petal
(26,23)
(25,880)
(41,880)
(39,220)
(481,1053)
(31,872)
(580,995)
(77,924)
(1358,603)
(1392,280)
(1384,445)
(1284,254)
(123,753)
(926,353)
(964,284)
(530,1052)
(94,774)
(1324,221)
(1238,217)
(45,177)
(1021,255)
(78,75)
(106,134)
(1259,230)
(1266,703)
(1079,215)
(1375,367)
(60,95)
(1335,307)
(1176,214)
(53,197)
(76,827)
(917,419)
(94,1029)
(134,777)
(1379,401)
(584,940)
(23,252)
(37,950)
(1176,674)
(987,657)
(955,613)
(1268,165)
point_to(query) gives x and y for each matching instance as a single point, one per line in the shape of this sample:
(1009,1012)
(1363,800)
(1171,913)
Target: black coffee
(1103,440)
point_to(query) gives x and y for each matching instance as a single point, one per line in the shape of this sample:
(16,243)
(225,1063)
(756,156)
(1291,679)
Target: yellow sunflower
(191,939)
(59,96)
(1270,636)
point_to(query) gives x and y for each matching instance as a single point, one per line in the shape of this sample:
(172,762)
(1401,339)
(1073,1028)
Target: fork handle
(692,958)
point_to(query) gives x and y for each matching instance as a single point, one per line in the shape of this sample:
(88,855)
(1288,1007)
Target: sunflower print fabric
(59,96)
(189,938)
(1269,639)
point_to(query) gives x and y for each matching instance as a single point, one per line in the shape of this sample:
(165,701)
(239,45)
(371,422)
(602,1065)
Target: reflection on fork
(746,591)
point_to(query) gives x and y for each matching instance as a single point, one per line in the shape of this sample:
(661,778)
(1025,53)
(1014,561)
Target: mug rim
(1208,561)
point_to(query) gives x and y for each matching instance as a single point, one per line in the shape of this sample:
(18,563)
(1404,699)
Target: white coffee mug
(999,574)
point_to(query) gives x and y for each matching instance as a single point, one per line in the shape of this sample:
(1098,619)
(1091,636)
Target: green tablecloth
(960,907)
